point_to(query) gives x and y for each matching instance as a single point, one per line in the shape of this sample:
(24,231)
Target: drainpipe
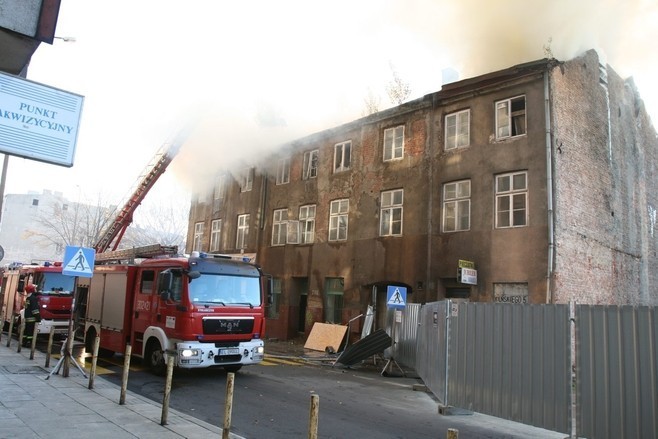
(430,213)
(549,188)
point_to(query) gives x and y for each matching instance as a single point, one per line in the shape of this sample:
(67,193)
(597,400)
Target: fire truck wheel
(233,368)
(155,358)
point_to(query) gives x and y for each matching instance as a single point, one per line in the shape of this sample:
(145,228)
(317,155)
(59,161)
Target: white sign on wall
(37,121)
(469,276)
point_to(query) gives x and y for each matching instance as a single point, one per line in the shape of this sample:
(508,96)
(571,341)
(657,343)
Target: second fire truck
(55,300)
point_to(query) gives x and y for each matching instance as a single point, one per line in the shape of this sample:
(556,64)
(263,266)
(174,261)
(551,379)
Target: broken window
(342,156)
(310,169)
(510,117)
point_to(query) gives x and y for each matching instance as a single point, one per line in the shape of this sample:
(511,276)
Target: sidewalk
(32,406)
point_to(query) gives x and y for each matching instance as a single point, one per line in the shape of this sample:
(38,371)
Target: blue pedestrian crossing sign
(79,261)
(396,297)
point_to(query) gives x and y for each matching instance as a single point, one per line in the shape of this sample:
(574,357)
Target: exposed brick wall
(603,187)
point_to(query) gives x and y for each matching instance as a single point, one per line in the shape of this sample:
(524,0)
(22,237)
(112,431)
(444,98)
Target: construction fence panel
(405,334)
(431,345)
(511,361)
(617,371)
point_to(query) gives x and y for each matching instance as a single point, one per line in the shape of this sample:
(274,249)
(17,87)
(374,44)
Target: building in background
(30,230)
(533,184)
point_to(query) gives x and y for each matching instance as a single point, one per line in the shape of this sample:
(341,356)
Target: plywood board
(325,335)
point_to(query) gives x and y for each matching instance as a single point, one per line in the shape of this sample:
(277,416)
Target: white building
(22,227)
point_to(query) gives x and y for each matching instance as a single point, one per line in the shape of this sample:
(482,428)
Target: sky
(260,73)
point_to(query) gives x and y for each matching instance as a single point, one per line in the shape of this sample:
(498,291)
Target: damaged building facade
(533,184)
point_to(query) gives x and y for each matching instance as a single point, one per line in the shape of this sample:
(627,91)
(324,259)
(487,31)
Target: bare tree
(158,223)
(371,104)
(398,90)
(82,224)
(548,52)
(70,224)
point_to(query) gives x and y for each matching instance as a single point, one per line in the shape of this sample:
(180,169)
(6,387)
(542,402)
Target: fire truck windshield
(225,290)
(56,283)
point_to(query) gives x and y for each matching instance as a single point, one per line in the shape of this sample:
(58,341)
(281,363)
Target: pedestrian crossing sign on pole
(79,261)
(396,297)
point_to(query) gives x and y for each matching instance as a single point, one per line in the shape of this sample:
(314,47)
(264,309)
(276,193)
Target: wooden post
(313,418)
(94,359)
(69,348)
(228,405)
(2,321)
(20,335)
(453,433)
(11,330)
(167,392)
(33,345)
(51,338)
(124,379)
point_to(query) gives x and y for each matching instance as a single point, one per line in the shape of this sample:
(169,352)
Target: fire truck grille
(228,326)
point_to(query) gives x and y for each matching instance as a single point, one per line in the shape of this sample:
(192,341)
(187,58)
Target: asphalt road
(273,400)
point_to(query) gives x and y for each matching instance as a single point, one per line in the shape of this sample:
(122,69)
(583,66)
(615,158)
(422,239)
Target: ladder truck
(111,237)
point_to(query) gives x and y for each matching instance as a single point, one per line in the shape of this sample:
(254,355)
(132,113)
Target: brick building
(538,181)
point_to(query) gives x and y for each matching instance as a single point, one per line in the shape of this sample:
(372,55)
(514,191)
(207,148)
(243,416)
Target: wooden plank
(324,336)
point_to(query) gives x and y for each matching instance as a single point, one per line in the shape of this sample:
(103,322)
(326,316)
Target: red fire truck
(55,300)
(206,310)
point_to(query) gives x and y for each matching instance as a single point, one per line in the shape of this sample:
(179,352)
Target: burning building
(532,184)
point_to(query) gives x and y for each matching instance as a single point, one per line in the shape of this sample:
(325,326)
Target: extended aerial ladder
(111,237)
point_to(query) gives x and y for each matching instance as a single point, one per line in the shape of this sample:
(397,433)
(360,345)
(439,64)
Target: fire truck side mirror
(21,285)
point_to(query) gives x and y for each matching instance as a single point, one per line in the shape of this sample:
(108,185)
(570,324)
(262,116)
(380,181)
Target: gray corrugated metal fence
(404,336)
(432,346)
(617,372)
(514,362)
(511,362)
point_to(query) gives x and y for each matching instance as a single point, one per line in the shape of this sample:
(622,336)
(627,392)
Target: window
(273,311)
(247,180)
(458,129)
(510,117)
(391,213)
(307,223)
(198,237)
(35,201)
(393,143)
(215,234)
(218,192)
(338,219)
(457,206)
(65,207)
(146,282)
(243,231)
(342,156)
(310,169)
(280,227)
(511,200)
(333,307)
(283,171)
